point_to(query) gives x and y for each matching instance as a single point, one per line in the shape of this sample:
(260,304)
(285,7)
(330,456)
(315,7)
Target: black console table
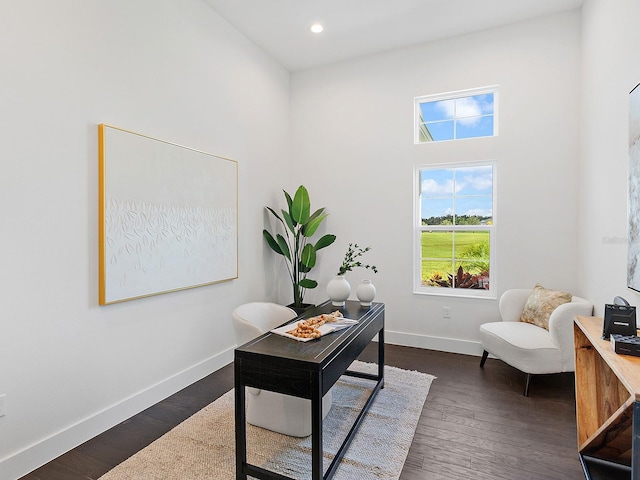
(307,370)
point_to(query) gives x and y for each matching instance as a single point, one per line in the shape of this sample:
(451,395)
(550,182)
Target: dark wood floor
(476,424)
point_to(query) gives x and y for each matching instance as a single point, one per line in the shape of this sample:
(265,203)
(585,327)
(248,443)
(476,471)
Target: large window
(456,115)
(454,229)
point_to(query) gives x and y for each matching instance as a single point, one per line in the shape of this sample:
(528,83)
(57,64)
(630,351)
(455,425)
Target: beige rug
(202,447)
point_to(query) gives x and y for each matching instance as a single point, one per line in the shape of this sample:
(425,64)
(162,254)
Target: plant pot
(300,310)
(338,290)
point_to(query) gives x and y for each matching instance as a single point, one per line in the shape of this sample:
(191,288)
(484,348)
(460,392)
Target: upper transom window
(456,115)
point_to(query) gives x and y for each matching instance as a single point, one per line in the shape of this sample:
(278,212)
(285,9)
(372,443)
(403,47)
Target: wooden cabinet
(607,405)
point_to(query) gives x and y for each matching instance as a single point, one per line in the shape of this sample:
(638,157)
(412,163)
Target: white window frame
(418,228)
(417,101)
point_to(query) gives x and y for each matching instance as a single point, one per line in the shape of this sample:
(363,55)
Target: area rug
(202,447)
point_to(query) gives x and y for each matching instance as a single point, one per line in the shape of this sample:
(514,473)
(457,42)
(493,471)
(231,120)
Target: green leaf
(325,241)
(308,283)
(272,243)
(316,214)
(288,198)
(313,225)
(274,213)
(289,221)
(282,243)
(301,207)
(308,256)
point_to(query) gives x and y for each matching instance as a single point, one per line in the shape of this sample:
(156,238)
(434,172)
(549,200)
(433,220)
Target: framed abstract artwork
(168,216)
(633,240)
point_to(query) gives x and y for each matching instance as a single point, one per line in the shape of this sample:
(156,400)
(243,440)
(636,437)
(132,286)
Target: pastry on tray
(315,327)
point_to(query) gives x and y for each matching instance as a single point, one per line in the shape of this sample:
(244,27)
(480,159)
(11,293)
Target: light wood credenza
(607,405)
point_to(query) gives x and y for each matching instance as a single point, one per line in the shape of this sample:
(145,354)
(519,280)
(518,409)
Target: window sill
(459,293)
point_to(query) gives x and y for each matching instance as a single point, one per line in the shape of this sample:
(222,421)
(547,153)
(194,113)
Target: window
(456,115)
(454,229)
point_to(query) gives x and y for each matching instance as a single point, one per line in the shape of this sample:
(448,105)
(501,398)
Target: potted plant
(299,225)
(339,288)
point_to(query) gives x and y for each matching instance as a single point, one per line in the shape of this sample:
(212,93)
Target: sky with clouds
(463,191)
(463,117)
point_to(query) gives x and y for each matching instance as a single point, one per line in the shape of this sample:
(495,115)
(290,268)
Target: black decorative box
(626,345)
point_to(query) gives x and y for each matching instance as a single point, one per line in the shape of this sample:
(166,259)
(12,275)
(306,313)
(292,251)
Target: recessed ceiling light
(317,28)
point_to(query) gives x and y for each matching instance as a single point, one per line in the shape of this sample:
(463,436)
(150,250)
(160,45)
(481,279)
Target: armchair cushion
(522,345)
(541,303)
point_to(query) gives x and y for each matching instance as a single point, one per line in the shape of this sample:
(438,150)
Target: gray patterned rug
(202,447)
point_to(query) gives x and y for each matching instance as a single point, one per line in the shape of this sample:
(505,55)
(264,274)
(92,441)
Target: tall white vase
(366,292)
(338,290)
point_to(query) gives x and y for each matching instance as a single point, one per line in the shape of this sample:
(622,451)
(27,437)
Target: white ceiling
(360,27)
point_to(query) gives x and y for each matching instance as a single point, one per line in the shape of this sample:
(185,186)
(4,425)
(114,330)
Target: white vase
(338,290)
(366,292)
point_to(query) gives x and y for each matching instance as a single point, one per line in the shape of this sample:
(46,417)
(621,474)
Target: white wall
(353,148)
(172,70)
(611,68)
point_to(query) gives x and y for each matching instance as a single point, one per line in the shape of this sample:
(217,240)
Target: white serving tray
(324,329)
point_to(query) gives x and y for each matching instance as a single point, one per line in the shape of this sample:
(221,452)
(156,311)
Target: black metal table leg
(635,443)
(241,425)
(316,428)
(381,356)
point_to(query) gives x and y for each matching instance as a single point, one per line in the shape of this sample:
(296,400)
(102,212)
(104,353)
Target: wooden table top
(626,367)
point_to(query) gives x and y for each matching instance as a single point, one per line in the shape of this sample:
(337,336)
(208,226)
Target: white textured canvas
(169,216)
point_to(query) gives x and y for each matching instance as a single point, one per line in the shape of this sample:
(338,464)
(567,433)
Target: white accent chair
(274,411)
(527,347)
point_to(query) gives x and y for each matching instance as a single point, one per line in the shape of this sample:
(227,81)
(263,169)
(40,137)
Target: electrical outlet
(3,401)
(446,312)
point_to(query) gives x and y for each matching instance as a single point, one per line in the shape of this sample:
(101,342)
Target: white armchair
(527,347)
(274,411)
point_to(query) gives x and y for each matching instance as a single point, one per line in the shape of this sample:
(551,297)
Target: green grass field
(438,249)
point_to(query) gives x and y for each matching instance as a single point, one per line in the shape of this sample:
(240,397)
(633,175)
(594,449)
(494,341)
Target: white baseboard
(443,344)
(21,463)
